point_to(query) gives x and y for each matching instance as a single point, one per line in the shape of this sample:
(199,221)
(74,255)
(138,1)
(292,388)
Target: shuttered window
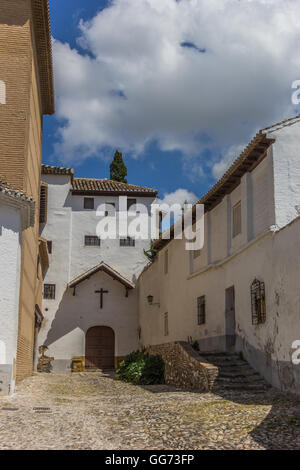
(201,310)
(89,203)
(237,219)
(43,203)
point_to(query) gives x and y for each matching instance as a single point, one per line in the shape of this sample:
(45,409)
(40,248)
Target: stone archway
(100,348)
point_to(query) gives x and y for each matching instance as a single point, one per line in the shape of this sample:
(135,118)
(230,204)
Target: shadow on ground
(278,428)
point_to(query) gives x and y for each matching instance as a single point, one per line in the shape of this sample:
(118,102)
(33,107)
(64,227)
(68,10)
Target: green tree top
(118,170)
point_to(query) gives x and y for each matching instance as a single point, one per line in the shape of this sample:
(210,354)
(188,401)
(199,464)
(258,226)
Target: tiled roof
(14,192)
(85,185)
(255,151)
(56,170)
(21,199)
(105,268)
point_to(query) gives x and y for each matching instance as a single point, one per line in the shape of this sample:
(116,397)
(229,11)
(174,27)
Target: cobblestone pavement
(97,411)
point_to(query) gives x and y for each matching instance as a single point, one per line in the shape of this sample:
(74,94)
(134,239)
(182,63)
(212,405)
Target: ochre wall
(20,152)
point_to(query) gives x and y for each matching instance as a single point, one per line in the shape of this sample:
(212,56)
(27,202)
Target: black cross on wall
(101,292)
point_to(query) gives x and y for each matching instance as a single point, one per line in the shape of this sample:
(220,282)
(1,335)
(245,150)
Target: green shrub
(142,369)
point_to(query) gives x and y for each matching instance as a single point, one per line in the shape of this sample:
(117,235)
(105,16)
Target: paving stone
(97,411)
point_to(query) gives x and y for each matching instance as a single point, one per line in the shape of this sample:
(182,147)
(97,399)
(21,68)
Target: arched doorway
(100,348)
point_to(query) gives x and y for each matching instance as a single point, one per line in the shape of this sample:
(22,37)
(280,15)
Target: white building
(17,213)
(242,290)
(90,301)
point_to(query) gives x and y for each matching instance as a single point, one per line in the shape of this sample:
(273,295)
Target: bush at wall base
(141,368)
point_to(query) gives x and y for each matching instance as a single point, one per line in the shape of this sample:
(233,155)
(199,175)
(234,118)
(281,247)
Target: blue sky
(178,87)
(155,168)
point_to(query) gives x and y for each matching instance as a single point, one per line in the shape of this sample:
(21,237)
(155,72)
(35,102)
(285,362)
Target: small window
(258,303)
(89,203)
(49,245)
(43,203)
(110,209)
(196,253)
(127,241)
(237,219)
(166,324)
(91,240)
(130,203)
(201,310)
(166,262)
(49,291)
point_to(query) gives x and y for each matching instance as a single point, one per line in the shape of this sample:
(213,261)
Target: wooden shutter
(43,203)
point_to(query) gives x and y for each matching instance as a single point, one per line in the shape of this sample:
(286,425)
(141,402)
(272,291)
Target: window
(166,324)
(89,203)
(127,241)
(237,219)
(258,304)
(91,240)
(49,245)
(110,209)
(43,203)
(201,310)
(49,291)
(166,262)
(196,253)
(130,203)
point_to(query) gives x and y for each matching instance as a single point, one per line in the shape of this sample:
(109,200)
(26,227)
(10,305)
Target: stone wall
(184,367)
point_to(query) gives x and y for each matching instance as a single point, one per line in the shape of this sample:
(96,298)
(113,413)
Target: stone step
(241,386)
(238,372)
(218,353)
(224,362)
(238,379)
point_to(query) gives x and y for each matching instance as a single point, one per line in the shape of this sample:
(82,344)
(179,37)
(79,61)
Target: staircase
(235,374)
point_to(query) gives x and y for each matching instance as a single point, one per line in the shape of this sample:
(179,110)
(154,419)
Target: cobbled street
(97,411)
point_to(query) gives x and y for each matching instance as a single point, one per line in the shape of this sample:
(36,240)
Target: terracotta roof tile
(86,185)
(250,157)
(21,199)
(56,170)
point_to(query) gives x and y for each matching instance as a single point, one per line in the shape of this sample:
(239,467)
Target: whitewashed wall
(10,256)
(68,223)
(64,328)
(268,203)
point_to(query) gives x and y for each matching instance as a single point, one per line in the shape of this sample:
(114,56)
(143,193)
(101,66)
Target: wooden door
(100,348)
(230,319)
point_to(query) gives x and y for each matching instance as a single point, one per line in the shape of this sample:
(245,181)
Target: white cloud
(180,196)
(177,199)
(219,168)
(137,82)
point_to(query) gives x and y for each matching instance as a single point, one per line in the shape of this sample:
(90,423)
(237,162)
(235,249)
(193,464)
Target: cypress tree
(118,170)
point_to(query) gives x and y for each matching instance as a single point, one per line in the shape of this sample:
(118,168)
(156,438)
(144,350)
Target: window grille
(237,220)
(201,310)
(49,291)
(91,240)
(258,303)
(127,241)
